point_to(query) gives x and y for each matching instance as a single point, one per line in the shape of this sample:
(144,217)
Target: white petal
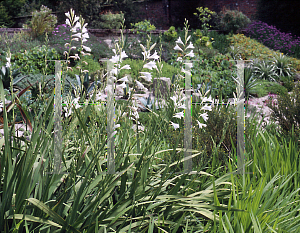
(179,115)
(201,125)
(67,14)
(206,107)
(154,56)
(76,19)
(85,35)
(182,106)
(126,67)
(150,65)
(176,126)
(139,85)
(147,76)
(123,85)
(68,22)
(115,59)
(204,116)
(124,79)
(190,46)
(123,55)
(177,48)
(179,41)
(86,48)
(190,54)
(77,35)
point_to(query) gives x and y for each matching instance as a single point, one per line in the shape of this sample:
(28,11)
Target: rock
(164,87)
(297,77)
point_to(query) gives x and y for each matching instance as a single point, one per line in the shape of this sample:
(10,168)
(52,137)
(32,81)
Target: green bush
(42,21)
(233,20)
(221,42)
(111,21)
(33,60)
(171,34)
(143,27)
(8,10)
(287,111)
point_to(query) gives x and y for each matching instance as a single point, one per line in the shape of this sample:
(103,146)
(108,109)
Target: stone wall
(164,13)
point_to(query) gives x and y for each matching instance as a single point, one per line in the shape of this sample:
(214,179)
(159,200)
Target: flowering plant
(274,38)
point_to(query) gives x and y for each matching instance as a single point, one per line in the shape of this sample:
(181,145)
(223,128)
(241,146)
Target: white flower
(179,59)
(146,76)
(139,85)
(75,57)
(86,48)
(76,18)
(176,126)
(191,46)
(77,35)
(182,106)
(201,125)
(8,64)
(179,41)
(115,59)
(126,67)
(206,107)
(76,39)
(174,99)
(85,35)
(190,54)
(177,48)
(123,55)
(123,85)
(124,79)
(179,115)
(204,99)
(150,65)
(154,56)
(68,22)
(68,14)
(204,116)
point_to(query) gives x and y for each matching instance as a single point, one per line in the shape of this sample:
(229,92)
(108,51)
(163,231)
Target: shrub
(251,49)
(265,70)
(287,111)
(17,42)
(143,27)
(42,21)
(221,41)
(233,20)
(171,34)
(274,38)
(33,60)
(205,16)
(111,21)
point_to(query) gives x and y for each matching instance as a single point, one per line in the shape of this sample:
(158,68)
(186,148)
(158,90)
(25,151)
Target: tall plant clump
(42,21)
(111,21)
(287,111)
(232,20)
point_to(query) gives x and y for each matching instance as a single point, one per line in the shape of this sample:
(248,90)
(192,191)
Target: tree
(8,10)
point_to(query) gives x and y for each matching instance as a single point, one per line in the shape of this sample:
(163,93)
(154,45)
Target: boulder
(161,86)
(297,77)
